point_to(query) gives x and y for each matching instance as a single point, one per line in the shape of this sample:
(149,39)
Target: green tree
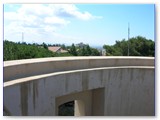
(63,47)
(95,52)
(88,50)
(15,51)
(138,46)
(73,50)
(45,46)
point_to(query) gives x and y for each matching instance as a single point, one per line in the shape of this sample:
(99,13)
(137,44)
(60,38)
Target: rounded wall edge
(29,67)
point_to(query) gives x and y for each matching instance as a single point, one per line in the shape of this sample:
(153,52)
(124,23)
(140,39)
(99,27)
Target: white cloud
(35,9)
(56,21)
(69,10)
(41,19)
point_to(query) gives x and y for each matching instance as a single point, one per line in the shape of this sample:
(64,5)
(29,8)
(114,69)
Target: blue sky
(93,24)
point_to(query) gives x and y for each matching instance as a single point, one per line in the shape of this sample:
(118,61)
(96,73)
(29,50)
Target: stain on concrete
(44,80)
(29,88)
(66,82)
(35,93)
(6,112)
(115,62)
(109,105)
(24,98)
(102,77)
(120,78)
(131,72)
(89,63)
(142,73)
(85,80)
(109,75)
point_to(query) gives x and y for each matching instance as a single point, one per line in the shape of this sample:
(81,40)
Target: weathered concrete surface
(115,90)
(87,103)
(25,68)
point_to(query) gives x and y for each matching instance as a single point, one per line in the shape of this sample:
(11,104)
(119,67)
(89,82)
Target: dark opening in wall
(66,109)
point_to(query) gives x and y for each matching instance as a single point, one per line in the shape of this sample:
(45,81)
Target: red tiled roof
(54,49)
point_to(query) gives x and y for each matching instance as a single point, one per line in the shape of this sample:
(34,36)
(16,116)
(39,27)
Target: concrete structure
(81,45)
(101,86)
(103,52)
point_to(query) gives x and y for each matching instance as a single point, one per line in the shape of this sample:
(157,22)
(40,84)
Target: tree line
(15,51)
(86,50)
(138,46)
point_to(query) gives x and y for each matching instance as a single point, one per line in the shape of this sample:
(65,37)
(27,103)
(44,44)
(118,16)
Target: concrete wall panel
(112,91)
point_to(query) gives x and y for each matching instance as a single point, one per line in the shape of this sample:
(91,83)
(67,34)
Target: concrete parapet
(25,68)
(107,87)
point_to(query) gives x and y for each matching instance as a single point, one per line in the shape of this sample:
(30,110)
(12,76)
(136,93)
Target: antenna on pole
(128,37)
(22,37)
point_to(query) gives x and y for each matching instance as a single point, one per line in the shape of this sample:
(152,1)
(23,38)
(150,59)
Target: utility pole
(22,37)
(128,37)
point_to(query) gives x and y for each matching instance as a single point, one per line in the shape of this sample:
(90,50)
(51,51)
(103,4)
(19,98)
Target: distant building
(57,49)
(103,52)
(81,45)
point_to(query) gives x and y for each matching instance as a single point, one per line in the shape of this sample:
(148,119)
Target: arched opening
(66,109)
(86,103)
(72,108)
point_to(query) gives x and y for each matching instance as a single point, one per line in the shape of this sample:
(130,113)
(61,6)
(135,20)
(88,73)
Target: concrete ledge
(43,76)
(49,59)
(24,68)
(105,86)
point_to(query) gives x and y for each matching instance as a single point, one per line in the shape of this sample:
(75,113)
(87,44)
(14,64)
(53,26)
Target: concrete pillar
(98,102)
(79,108)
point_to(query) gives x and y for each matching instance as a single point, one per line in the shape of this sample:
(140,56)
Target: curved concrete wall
(25,68)
(114,85)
